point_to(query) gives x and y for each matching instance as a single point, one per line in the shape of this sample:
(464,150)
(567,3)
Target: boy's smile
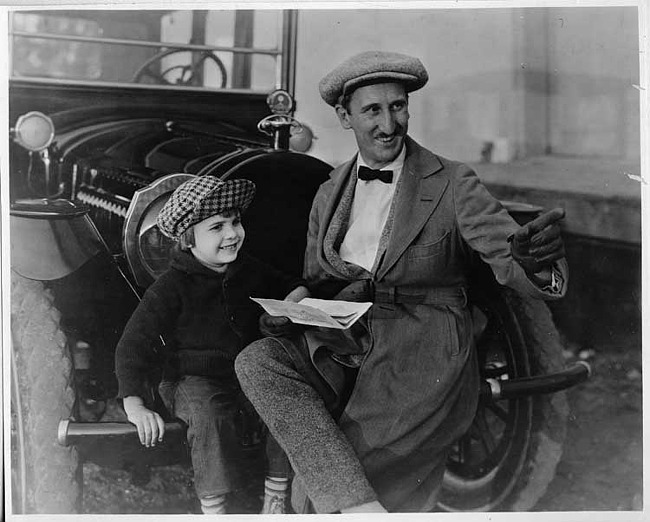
(218,240)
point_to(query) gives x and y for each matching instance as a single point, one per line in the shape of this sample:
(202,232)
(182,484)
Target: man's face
(378,114)
(217,240)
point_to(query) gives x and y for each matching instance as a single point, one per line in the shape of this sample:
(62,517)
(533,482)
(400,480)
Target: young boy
(201,308)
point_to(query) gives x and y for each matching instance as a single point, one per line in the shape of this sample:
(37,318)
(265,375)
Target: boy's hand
(273,326)
(151,427)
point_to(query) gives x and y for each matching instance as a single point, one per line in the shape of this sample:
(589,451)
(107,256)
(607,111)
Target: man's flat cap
(372,67)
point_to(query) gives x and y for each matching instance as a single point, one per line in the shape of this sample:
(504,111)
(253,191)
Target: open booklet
(316,312)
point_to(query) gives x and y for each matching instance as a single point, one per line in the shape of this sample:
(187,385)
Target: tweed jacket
(417,387)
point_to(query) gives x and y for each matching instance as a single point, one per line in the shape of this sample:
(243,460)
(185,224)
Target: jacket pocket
(427,250)
(452,328)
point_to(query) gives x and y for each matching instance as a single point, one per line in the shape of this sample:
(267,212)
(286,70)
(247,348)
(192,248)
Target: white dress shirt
(368,215)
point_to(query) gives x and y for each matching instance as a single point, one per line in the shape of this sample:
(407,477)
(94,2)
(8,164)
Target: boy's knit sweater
(205,318)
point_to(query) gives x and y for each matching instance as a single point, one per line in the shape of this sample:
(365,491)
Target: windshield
(190,49)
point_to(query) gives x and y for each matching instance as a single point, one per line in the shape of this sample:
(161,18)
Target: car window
(202,49)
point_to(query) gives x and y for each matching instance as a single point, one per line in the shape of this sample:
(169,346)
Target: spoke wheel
(508,456)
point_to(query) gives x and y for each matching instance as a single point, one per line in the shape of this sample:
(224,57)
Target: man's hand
(151,427)
(298,294)
(538,244)
(273,326)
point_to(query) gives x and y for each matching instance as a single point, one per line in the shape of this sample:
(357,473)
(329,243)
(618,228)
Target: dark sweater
(205,318)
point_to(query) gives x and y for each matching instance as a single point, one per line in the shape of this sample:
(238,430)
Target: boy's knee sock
(276,485)
(213,505)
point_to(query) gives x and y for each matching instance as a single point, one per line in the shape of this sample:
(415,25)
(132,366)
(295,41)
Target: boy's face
(218,240)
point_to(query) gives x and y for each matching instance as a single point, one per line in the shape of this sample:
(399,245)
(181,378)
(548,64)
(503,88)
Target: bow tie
(368,174)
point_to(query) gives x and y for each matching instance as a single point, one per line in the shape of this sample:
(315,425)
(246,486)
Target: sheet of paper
(337,309)
(316,312)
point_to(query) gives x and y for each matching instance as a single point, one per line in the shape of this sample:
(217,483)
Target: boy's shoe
(274,504)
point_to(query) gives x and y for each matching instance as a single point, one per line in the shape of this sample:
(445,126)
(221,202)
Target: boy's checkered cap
(372,67)
(200,198)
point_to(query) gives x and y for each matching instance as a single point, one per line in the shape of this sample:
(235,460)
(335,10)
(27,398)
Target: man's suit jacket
(417,388)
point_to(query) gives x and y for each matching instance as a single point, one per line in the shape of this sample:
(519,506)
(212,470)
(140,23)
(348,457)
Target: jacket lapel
(419,195)
(340,176)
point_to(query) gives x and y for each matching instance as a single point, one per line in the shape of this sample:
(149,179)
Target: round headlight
(34,131)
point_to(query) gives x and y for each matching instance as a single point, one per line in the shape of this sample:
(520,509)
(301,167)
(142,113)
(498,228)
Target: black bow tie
(368,174)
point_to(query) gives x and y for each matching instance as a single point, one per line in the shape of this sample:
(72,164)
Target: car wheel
(46,477)
(508,457)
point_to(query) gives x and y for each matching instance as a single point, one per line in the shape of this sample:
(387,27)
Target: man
(367,415)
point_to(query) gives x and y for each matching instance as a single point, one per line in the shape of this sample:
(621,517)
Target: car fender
(50,242)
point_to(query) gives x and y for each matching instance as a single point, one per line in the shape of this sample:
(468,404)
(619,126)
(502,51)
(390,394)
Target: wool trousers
(299,409)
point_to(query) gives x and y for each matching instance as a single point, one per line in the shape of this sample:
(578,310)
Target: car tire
(46,477)
(505,462)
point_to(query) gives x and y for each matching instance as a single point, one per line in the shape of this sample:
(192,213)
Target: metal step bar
(504,389)
(73,433)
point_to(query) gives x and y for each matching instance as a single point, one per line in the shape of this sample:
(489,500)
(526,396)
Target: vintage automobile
(110,111)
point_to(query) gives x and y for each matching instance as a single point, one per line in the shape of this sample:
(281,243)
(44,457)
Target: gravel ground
(169,490)
(601,467)
(113,491)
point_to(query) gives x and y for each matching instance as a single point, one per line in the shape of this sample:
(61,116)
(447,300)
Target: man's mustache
(399,131)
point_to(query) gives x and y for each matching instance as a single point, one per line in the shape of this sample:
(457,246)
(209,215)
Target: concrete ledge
(601,201)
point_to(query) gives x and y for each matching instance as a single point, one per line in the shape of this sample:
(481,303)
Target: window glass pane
(138,47)
(56,58)
(267,29)
(263,72)
(220,31)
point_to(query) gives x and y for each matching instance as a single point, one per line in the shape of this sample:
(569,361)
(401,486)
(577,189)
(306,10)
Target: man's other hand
(273,326)
(538,244)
